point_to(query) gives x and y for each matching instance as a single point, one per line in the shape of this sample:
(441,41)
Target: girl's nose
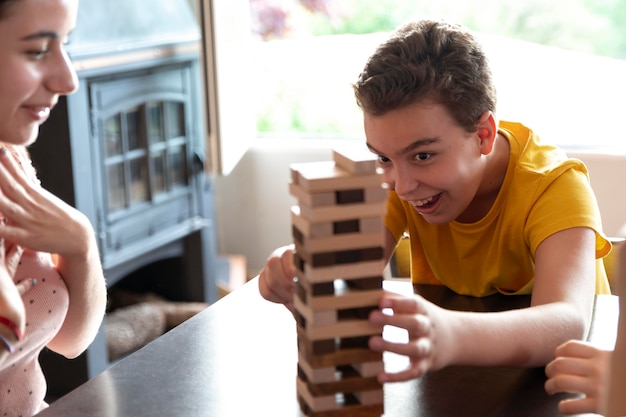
(62,77)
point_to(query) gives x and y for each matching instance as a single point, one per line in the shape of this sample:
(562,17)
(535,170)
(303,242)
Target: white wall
(608,179)
(252,202)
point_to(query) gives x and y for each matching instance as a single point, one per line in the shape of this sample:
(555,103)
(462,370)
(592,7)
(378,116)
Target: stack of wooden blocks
(339,255)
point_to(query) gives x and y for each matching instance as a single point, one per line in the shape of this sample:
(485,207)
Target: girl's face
(430,161)
(34,67)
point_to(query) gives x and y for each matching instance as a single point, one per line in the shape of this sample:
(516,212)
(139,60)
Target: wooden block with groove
(336,351)
(345,297)
(330,273)
(331,402)
(333,373)
(326,176)
(355,160)
(335,227)
(374,194)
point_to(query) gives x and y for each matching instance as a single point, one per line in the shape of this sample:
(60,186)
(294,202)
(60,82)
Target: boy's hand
(418,317)
(276,280)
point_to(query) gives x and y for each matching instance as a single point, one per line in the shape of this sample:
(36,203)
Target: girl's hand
(36,218)
(11,304)
(580,368)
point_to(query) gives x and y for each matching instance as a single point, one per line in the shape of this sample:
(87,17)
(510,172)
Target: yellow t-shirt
(543,192)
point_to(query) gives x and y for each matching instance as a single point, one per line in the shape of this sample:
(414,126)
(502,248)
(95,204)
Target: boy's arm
(561,309)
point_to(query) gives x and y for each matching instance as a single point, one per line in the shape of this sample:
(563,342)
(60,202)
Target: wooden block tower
(339,255)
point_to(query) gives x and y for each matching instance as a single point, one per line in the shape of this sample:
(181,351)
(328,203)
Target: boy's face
(430,161)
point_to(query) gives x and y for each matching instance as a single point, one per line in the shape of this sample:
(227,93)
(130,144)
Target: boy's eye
(422,156)
(382,159)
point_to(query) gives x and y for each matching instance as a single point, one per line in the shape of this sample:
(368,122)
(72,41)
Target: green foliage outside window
(305,68)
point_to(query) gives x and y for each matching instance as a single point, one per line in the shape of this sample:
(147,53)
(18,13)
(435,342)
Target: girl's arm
(42,222)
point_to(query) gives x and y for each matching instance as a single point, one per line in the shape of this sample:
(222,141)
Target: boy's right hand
(276,280)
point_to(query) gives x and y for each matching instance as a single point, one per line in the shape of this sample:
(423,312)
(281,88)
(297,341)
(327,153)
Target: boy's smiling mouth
(426,202)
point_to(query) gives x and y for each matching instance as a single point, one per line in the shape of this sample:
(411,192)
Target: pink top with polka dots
(22,383)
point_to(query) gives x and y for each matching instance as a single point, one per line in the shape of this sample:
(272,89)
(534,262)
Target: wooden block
(355,159)
(332,373)
(346,381)
(346,299)
(316,375)
(367,369)
(314,321)
(329,228)
(323,259)
(346,405)
(322,398)
(326,176)
(336,351)
(343,328)
(338,197)
(354,257)
(305,317)
(338,242)
(350,410)
(376,396)
(368,225)
(319,403)
(342,212)
(330,273)
(305,289)
(324,198)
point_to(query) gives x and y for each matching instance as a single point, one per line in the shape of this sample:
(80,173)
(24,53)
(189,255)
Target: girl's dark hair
(428,60)
(4,7)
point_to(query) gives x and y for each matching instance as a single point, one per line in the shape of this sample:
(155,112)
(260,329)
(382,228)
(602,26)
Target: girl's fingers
(579,406)
(575,384)
(576,349)
(25,285)
(13,257)
(569,366)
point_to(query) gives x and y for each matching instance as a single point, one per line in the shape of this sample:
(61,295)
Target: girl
(43,240)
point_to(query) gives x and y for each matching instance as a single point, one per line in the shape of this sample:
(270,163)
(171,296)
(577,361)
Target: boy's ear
(487,132)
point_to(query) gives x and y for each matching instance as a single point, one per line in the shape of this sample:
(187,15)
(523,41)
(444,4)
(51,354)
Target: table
(239,356)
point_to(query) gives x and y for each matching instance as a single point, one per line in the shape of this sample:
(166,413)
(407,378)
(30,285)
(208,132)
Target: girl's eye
(38,54)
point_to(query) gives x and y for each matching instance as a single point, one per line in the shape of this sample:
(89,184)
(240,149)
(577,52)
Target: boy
(488,207)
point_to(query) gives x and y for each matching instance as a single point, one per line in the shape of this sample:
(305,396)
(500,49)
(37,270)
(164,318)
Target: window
(559,65)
